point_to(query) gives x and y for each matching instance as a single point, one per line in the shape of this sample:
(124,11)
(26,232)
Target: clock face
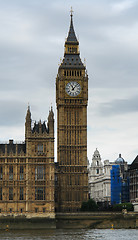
(73,89)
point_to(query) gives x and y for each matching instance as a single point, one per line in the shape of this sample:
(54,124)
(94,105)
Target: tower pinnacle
(28,115)
(71,35)
(71,53)
(71,12)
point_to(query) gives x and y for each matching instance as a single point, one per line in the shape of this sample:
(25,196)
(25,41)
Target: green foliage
(84,207)
(89,206)
(121,206)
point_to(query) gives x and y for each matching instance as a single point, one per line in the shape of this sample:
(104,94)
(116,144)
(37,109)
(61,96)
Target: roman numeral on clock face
(73,88)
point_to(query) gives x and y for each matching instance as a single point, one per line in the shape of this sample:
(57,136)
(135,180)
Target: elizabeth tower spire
(71,100)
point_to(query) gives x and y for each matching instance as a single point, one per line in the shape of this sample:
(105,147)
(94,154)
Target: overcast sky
(32,36)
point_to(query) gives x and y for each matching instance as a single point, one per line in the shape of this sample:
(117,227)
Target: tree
(90,206)
(120,206)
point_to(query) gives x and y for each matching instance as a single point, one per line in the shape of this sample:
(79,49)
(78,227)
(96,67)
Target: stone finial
(28,114)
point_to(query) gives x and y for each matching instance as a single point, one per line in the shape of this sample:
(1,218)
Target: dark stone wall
(22,223)
(97,220)
(72,220)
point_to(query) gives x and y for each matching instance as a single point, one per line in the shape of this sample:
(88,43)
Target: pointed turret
(51,121)
(71,35)
(28,123)
(28,115)
(71,54)
(51,115)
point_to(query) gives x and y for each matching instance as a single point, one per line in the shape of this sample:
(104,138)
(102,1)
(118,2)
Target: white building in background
(99,179)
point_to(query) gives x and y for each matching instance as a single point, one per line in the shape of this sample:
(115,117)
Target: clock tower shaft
(71,99)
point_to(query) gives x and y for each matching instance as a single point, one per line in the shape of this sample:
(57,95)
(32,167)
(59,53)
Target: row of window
(73,169)
(39,173)
(22,210)
(70,157)
(72,73)
(73,101)
(72,49)
(72,117)
(39,193)
(21,195)
(76,196)
(73,180)
(38,148)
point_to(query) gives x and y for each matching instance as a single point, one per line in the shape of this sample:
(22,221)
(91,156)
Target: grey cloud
(12,113)
(31,44)
(113,66)
(119,107)
(20,70)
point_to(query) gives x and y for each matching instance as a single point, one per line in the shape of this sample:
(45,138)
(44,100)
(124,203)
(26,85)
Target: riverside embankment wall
(99,220)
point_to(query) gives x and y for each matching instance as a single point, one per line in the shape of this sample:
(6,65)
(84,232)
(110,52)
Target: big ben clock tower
(71,100)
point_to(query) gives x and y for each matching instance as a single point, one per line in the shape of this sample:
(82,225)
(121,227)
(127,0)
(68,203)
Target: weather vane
(71,11)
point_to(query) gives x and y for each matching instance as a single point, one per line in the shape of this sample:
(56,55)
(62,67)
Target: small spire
(71,35)
(51,114)
(28,115)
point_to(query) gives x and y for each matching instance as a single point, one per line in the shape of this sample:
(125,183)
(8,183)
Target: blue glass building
(119,182)
(116,185)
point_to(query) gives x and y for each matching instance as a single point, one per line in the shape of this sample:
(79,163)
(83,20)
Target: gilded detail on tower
(71,99)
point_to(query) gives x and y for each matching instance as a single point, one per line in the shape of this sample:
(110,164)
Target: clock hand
(74,87)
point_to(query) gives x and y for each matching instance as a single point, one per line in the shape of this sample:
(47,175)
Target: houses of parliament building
(31,183)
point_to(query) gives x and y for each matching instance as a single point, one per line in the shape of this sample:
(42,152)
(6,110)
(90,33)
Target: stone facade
(27,172)
(99,179)
(71,99)
(31,184)
(100,183)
